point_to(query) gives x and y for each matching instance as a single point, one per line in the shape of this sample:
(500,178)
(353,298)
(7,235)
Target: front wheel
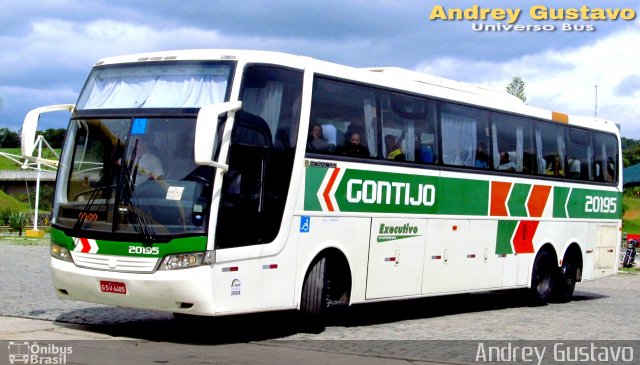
(314,301)
(542,278)
(314,293)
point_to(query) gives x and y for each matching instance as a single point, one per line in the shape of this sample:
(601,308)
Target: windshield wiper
(134,202)
(94,194)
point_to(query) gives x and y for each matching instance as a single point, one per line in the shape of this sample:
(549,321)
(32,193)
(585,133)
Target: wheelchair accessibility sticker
(305,222)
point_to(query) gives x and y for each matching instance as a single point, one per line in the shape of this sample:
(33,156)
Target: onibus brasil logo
(34,353)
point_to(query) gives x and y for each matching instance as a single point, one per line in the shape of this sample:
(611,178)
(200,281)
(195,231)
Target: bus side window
(605,156)
(341,110)
(408,128)
(261,155)
(550,149)
(463,129)
(512,144)
(580,162)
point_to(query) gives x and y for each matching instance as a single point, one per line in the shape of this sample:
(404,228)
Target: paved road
(393,332)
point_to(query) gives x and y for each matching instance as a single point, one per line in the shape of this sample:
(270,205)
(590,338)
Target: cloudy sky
(48,46)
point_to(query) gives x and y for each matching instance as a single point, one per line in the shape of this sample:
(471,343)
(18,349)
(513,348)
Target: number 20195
(599,204)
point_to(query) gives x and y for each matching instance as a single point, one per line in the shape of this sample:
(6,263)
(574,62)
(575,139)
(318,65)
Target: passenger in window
(316,141)
(354,146)
(482,158)
(394,151)
(554,168)
(356,126)
(611,175)
(147,165)
(505,164)
(574,167)
(424,152)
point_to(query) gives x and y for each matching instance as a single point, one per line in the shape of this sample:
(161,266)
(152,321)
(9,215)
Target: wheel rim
(544,282)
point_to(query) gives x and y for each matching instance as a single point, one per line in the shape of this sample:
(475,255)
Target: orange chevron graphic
(499,193)
(327,190)
(538,200)
(535,203)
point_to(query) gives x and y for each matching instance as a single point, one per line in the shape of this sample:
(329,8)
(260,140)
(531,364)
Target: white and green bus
(218,182)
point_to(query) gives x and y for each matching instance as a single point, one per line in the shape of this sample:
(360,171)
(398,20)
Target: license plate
(113,287)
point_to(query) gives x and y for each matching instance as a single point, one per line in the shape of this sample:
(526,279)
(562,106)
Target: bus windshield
(128,162)
(160,85)
(134,176)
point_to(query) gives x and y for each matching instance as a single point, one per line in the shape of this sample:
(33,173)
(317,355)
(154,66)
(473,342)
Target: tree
(516,88)
(55,137)
(17,221)
(9,138)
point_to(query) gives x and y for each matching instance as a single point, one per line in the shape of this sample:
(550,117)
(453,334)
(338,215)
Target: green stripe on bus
(594,204)
(463,197)
(518,199)
(118,248)
(58,237)
(586,203)
(314,177)
(560,196)
(387,192)
(505,232)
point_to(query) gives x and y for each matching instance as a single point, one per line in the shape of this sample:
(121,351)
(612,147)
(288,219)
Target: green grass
(7,164)
(631,217)
(10,203)
(629,270)
(14,239)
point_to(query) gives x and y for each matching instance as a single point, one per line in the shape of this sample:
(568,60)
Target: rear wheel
(565,283)
(543,278)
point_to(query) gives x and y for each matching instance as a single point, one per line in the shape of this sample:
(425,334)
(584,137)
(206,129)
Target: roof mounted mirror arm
(30,126)
(206,131)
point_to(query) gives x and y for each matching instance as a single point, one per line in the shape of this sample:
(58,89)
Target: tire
(565,284)
(314,291)
(314,301)
(626,262)
(188,319)
(543,278)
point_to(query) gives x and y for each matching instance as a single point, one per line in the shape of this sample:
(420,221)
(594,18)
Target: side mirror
(206,130)
(30,125)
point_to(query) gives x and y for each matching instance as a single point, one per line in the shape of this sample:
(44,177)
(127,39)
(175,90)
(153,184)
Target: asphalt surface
(432,330)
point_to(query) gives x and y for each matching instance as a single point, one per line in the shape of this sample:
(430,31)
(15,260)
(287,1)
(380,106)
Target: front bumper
(183,291)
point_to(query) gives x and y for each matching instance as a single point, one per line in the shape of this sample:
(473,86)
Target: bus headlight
(186,260)
(61,252)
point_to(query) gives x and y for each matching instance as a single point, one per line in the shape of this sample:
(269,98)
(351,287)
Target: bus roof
(393,77)
(445,83)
